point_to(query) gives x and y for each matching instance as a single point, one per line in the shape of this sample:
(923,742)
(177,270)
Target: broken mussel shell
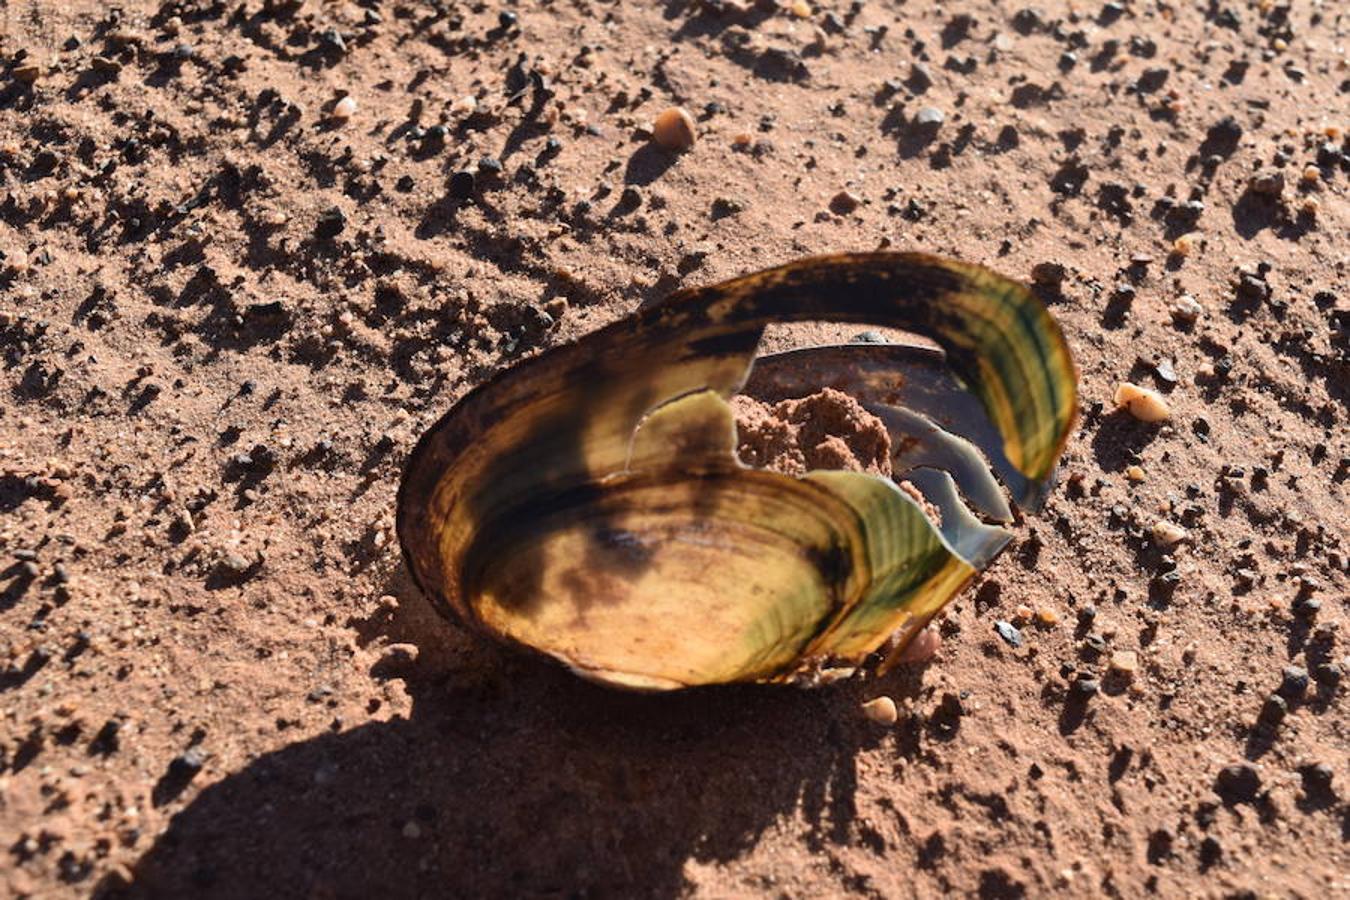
(588,502)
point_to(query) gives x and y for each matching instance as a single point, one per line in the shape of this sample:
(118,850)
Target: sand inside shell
(825,430)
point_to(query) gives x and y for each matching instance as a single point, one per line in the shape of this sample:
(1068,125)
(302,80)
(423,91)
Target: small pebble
(1238,783)
(1186,309)
(1167,534)
(1317,778)
(462,185)
(1144,404)
(1269,182)
(330,224)
(674,130)
(881,710)
(1009,633)
(1135,473)
(344,109)
(844,203)
(1124,662)
(236,562)
(1048,274)
(1294,682)
(930,117)
(1274,710)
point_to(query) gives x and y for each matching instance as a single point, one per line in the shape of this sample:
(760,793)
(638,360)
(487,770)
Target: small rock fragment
(1184,245)
(1144,404)
(881,710)
(920,79)
(236,562)
(1274,710)
(344,109)
(1186,309)
(1124,663)
(1167,534)
(1269,182)
(1317,778)
(1294,682)
(462,184)
(674,130)
(331,223)
(1009,633)
(1238,783)
(1048,274)
(844,203)
(930,117)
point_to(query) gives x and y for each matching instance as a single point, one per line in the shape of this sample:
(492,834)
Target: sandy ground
(225,315)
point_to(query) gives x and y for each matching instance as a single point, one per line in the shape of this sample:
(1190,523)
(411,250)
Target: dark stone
(1211,851)
(462,185)
(1048,274)
(1111,12)
(332,40)
(1317,779)
(1295,682)
(1274,710)
(106,743)
(332,222)
(1152,80)
(1027,20)
(1222,138)
(1238,783)
(1328,674)
(920,79)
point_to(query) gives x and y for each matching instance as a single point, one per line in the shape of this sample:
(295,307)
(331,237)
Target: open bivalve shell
(588,503)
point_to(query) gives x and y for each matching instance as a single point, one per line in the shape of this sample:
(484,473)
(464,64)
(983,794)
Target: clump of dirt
(825,430)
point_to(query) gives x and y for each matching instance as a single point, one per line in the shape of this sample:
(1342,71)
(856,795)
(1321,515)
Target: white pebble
(344,109)
(1186,308)
(881,710)
(1144,404)
(1167,534)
